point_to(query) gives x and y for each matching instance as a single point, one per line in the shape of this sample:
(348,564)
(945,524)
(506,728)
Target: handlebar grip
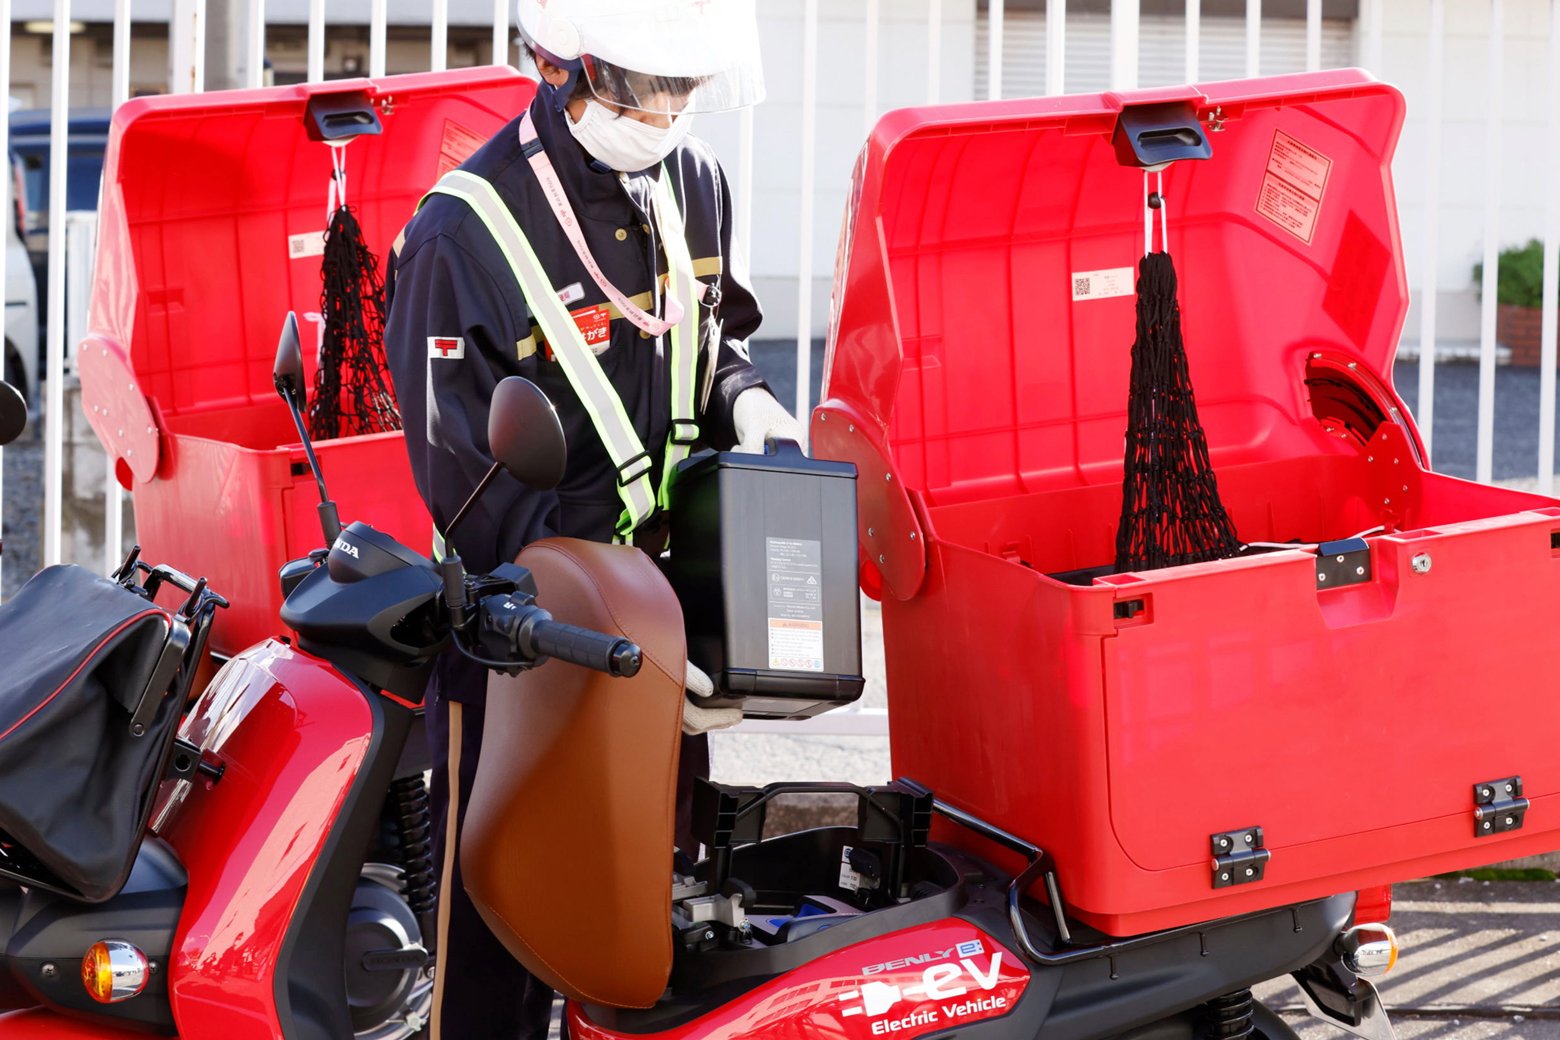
(596,650)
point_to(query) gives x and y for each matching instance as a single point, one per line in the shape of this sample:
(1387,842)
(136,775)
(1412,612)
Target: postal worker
(587,247)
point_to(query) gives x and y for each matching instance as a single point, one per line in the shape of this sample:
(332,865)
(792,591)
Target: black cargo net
(352,393)
(1170,510)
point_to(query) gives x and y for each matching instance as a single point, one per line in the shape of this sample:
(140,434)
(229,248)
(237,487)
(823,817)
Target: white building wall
(1522,176)
(902,80)
(777,172)
(842,121)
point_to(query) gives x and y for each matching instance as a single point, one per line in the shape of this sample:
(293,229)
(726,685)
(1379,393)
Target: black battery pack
(763,558)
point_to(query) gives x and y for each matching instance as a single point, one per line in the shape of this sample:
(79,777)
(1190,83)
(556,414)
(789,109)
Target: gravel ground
(1455,435)
(21,511)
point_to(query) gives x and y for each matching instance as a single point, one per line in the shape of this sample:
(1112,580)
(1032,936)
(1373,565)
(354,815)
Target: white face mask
(624,143)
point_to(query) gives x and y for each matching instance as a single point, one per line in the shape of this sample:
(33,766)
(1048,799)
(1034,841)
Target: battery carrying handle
(783,446)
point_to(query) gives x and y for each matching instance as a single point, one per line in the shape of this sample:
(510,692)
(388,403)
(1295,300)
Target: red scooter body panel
(42,1024)
(928,979)
(291,734)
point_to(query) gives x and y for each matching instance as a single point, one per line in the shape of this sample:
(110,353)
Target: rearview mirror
(525,435)
(287,372)
(13,413)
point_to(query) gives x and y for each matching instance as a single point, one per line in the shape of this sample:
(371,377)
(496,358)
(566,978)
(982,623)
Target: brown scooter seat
(567,844)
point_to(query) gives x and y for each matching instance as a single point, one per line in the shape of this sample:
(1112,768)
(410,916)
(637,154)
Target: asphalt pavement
(1480,960)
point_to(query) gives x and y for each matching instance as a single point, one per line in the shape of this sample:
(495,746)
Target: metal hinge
(1238,857)
(1498,806)
(1344,562)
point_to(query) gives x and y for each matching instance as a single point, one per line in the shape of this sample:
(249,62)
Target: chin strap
(559,96)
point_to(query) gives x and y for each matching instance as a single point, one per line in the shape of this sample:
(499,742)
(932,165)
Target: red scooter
(283,888)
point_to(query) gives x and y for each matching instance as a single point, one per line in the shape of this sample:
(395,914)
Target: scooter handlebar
(513,632)
(614,655)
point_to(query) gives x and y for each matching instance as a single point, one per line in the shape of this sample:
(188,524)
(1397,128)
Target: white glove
(698,720)
(757,415)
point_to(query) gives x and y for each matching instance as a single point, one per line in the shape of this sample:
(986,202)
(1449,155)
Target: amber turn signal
(1369,950)
(113,971)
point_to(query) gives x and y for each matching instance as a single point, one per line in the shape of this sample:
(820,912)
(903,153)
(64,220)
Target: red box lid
(212,209)
(984,295)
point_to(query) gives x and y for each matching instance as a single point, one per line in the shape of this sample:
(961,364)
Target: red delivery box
(213,210)
(1210,739)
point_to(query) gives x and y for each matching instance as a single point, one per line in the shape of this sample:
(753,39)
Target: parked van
(88,140)
(21,294)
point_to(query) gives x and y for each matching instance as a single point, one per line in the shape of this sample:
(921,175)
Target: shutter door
(1161,50)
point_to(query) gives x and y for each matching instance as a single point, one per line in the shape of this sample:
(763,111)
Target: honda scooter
(275,895)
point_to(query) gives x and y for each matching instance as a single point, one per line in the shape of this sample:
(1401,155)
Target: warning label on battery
(795,595)
(1293,186)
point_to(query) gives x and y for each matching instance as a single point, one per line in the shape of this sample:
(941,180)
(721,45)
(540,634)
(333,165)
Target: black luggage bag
(93,683)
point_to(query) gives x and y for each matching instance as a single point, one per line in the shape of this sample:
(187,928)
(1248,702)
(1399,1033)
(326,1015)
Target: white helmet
(661,56)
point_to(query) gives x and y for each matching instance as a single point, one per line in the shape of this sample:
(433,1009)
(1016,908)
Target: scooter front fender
(291,735)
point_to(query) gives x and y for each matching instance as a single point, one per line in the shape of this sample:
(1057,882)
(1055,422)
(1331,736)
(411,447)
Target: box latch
(1238,857)
(1344,562)
(1498,807)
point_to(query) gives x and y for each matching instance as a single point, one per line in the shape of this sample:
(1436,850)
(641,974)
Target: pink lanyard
(552,187)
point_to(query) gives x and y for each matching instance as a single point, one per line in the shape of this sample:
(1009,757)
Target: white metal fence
(1010,33)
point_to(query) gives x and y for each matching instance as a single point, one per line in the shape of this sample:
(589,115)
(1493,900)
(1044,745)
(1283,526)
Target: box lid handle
(1152,136)
(340,117)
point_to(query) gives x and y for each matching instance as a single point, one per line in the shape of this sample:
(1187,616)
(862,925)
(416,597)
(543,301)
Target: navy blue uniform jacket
(447,280)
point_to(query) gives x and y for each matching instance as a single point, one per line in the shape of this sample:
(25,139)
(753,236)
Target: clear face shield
(685,57)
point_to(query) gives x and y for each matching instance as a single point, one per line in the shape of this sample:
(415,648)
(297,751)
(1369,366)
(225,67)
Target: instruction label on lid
(795,595)
(1293,186)
(457,146)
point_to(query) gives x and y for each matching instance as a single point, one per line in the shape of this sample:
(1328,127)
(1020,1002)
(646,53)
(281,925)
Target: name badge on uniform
(595,324)
(572,294)
(450,347)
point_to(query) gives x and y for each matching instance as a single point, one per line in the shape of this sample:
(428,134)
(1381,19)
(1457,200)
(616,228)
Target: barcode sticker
(309,244)
(1101,285)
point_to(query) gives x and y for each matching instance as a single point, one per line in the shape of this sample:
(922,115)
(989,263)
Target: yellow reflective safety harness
(601,401)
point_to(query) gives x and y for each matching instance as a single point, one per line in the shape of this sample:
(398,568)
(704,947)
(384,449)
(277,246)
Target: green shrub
(1521,275)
